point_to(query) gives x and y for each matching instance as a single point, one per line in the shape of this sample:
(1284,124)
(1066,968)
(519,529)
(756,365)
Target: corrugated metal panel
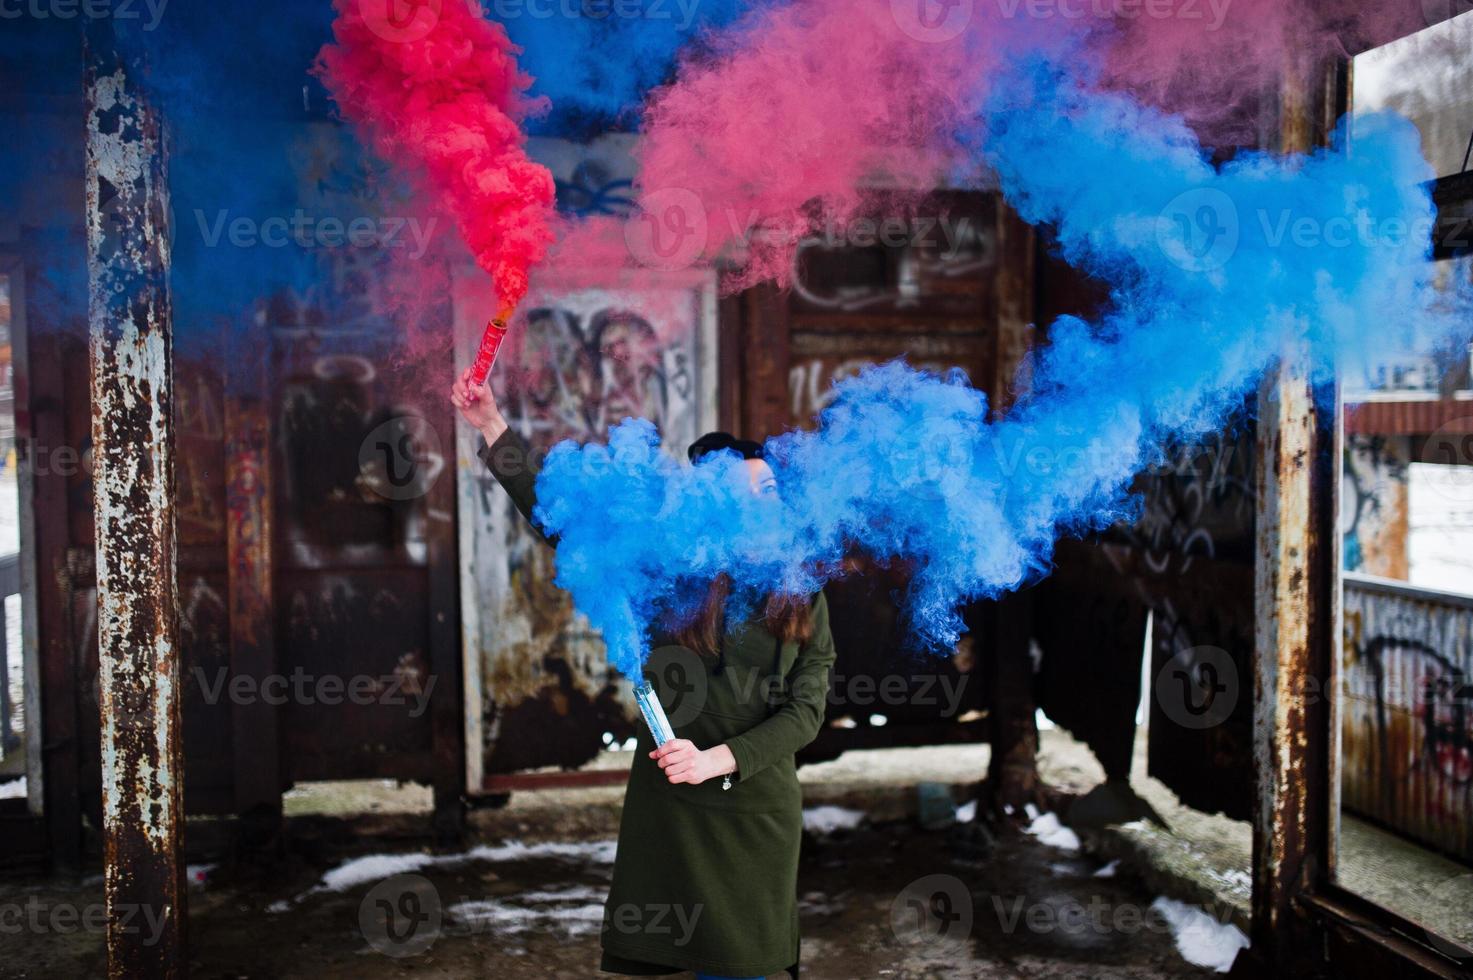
(1406,418)
(1407,737)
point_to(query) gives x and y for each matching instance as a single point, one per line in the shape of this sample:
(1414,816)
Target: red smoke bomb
(490,344)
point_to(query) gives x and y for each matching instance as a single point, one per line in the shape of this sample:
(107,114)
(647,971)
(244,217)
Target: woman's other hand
(684,763)
(478,407)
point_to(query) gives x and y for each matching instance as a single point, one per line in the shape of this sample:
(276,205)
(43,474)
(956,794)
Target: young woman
(706,873)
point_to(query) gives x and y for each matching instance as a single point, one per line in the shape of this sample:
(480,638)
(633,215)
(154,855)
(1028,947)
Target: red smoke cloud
(439,94)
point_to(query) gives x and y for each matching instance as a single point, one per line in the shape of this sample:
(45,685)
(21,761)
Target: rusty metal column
(133,473)
(1296,599)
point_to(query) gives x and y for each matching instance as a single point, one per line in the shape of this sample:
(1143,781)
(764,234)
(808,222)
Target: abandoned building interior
(1252,700)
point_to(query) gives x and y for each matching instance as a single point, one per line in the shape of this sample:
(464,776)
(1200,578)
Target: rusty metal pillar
(1296,600)
(133,474)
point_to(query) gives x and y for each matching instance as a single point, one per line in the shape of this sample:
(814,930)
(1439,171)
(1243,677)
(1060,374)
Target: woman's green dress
(706,877)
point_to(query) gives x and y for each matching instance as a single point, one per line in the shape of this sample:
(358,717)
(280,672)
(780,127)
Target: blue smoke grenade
(1216,271)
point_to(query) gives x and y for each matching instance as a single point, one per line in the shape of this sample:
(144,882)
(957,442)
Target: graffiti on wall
(588,359)
(1374,519)
(1407,727)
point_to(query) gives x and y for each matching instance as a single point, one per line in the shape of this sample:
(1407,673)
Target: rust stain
(133,471)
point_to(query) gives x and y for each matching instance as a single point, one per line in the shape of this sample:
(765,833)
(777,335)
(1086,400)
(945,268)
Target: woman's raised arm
(505,453)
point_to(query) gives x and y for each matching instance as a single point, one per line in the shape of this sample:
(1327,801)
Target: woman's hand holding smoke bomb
(684,763)
(477,405)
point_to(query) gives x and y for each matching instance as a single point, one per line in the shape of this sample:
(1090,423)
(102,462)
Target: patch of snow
(574,911)
(827,819)
(377,867)
(13,790)
(967,812)
(1201,939)
(276,908)
(1047,828)
(1109,870)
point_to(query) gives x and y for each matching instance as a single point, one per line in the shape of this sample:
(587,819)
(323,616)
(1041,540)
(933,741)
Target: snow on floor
(1047,828)
(1201,939)
(574,911)
(827,819)
(377,867)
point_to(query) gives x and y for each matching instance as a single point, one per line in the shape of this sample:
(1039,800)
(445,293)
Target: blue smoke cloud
(1215,272)
(597,69)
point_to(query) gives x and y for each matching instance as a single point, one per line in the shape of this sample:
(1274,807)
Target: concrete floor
(525,902)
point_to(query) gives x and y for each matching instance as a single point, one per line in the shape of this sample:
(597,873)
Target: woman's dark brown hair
(786,617)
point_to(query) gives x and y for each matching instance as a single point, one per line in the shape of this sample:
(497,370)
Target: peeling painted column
(1296,602)
(133,472)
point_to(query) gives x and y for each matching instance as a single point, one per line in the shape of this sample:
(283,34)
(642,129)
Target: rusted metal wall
(953,287)
(292,550)
(1407,725)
